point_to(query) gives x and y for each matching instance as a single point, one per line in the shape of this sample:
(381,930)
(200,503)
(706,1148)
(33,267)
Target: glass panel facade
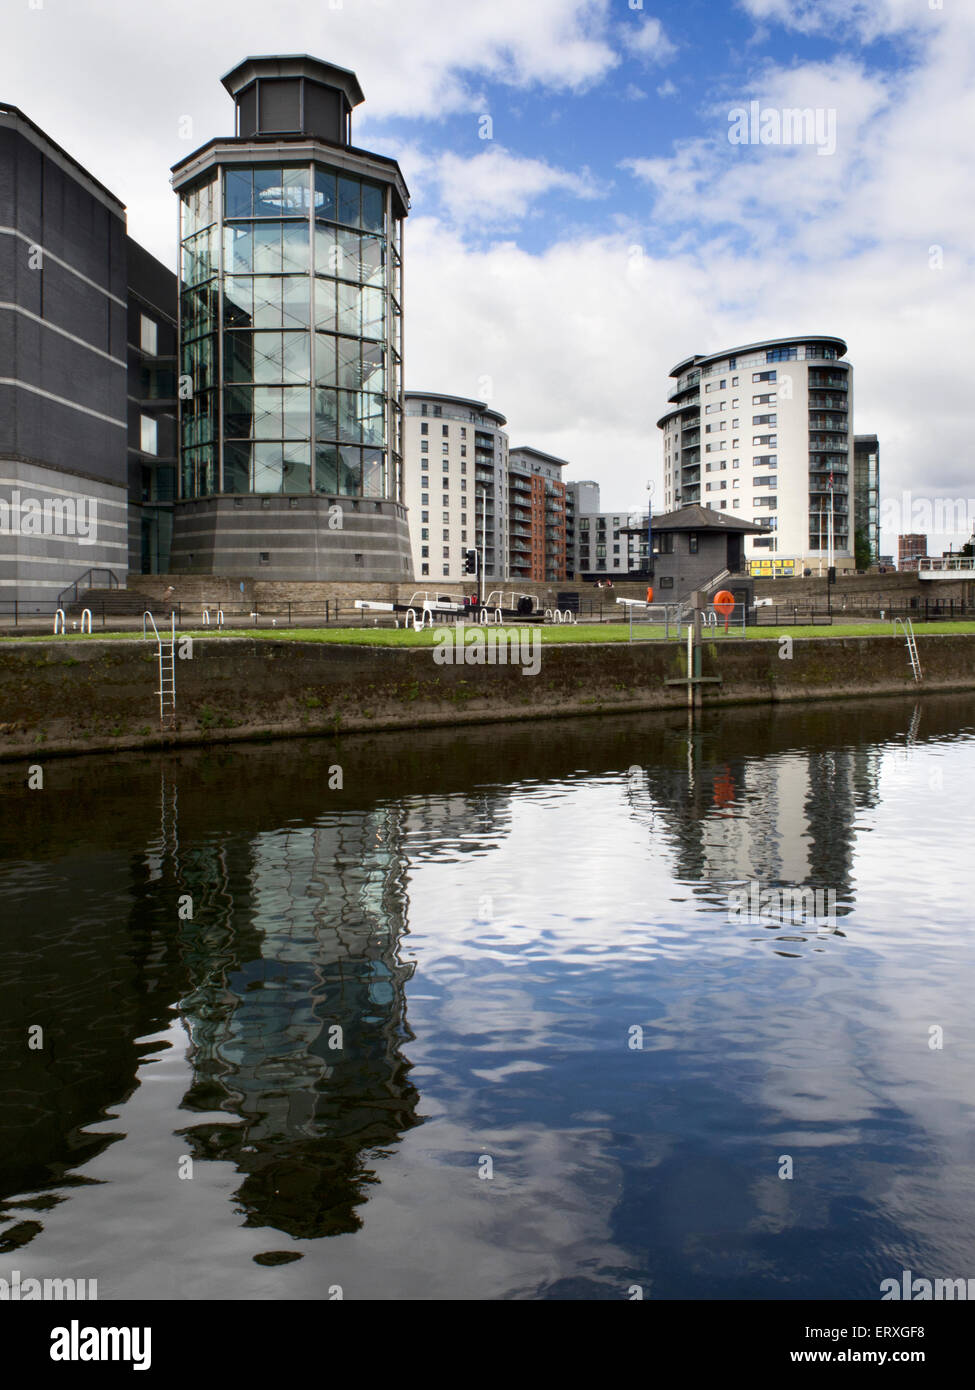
(291,295)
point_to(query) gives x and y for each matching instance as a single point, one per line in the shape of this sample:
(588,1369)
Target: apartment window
(446,465)
(446,518)
(424,446)
(463,536)
(425,534)
(446,499)
(424,499)
(438,410)
(734,381)
(764,420)
(149,435)
(445,536)
(463,431)
(736,482)
(736,502)
(463,484)
(735,424)
(782,355)
(764,439)
(424,516)
(445,448)
(424,479)
(764,482)
(424,550)
(463,451)
(763,376)
(424,428)
(692,543)
(463,518)
(148,336)
(722,506)
(446,552)
(767,399)
(445,430)
(765,461)
(424,569)
(446,571)
(423,410)
(736,463)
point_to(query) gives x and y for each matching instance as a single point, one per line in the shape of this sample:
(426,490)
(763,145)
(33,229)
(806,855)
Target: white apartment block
(456,485)
(766,430)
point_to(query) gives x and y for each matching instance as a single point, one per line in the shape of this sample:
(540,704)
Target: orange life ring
(724,603)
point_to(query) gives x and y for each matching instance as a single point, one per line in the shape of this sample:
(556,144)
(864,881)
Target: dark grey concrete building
(152,410)
(87,387)
(63,369)
(291,338)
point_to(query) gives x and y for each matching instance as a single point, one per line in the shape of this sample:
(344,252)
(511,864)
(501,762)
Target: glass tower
(291,326)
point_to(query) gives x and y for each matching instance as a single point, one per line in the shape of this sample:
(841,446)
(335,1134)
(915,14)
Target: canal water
(536,1011)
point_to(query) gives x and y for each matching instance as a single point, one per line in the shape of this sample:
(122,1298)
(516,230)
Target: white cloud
(648,41)
(667,89)
(498,187)
(869,19)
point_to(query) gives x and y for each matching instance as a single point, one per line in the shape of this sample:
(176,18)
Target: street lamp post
(650,490)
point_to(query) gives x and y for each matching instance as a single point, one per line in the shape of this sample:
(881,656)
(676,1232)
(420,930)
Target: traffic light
(470,562)
(831,575)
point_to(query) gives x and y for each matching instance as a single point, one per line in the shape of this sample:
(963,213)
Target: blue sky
(608,228)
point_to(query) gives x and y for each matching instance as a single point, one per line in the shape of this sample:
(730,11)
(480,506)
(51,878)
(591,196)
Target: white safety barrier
(58,615)
(86,613)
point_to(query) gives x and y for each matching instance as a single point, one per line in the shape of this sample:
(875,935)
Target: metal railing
(946,564)
(85,579)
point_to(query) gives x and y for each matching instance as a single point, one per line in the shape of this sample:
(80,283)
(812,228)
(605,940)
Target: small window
(148,336)
(692,542)
(264,557)
(149,435)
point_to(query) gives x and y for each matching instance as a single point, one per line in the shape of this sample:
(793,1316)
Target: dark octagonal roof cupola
(293,95)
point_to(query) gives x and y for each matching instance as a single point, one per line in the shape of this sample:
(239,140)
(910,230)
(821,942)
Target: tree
(861,550)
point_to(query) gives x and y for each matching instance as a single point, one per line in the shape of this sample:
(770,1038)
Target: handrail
(72,589)
(152,620)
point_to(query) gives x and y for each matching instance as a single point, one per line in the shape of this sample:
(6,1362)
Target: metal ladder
(908,629)
(166,656)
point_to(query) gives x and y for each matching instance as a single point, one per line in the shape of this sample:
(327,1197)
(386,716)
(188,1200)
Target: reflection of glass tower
(302,1042)
(291,337)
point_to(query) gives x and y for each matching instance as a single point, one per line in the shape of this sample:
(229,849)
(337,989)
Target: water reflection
(454,944)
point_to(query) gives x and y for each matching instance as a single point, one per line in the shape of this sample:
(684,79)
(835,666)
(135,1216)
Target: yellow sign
(765,569)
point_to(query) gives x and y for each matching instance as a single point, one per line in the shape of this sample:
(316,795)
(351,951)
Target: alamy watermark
(18,1290)
(492,646)
(933,515)
(921,1290)
(755,124)
(50,516)
(756,906)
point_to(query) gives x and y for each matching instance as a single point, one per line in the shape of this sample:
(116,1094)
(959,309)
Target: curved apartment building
(766,430)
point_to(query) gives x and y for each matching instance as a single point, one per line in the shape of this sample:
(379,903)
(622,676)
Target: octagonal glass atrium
(290,332)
